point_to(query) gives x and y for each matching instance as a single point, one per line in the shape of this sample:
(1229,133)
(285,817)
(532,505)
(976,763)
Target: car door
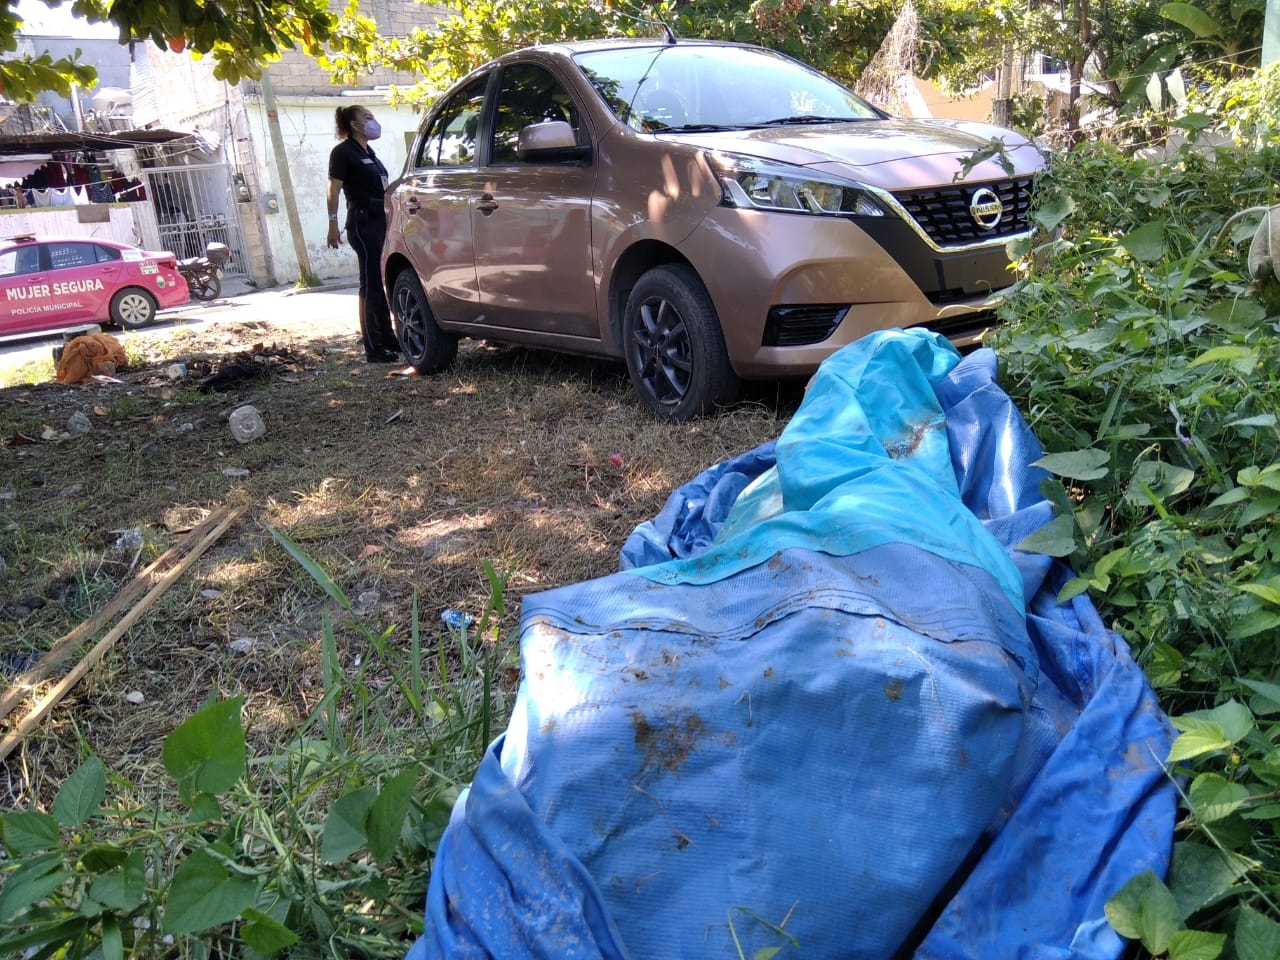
(24,279)
(81,282)
(532,218)
(432,206)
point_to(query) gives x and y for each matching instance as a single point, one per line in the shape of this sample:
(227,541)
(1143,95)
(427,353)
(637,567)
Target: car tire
(422,342)
(674,347)
(132,307)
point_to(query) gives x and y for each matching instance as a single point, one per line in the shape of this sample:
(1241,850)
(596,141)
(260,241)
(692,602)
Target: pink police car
(52,282)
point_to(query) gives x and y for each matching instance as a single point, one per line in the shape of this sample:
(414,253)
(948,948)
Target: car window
(64,255)
(649,88)
(529,94)
(20,260)
(105,254)
(451,139)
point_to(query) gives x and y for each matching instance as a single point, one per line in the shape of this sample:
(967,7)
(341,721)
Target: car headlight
(757,184)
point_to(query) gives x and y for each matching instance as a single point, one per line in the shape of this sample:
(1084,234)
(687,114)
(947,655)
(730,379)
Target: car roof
(570,47)
(18,239)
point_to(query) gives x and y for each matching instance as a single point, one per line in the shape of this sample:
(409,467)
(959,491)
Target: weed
(323,843)
(1146,364)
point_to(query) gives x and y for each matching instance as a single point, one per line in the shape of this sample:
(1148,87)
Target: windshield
(697,86)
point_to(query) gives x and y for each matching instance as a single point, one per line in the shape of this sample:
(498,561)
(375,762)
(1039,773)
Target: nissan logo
(985,208)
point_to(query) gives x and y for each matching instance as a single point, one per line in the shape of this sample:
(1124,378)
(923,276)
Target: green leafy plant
(323,845)
(1146,363)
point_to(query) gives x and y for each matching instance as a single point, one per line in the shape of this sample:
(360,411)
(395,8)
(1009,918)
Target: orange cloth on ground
(90,354)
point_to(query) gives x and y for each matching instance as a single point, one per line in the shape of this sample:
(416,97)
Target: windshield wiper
(696,128)
(780,121)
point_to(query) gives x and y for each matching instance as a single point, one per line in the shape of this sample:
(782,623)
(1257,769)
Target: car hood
(891,154)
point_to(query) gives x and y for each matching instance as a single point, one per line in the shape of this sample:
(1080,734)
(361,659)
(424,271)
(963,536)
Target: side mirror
(550,140)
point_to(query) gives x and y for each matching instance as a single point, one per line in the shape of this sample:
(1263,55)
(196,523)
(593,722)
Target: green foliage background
(1147,359)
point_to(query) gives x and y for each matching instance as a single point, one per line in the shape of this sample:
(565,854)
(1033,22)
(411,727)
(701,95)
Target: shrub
(1146,360)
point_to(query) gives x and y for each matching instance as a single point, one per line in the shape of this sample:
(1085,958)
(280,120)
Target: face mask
(372,129)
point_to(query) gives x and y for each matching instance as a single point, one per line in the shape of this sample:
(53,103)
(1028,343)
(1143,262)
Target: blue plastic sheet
(826,705)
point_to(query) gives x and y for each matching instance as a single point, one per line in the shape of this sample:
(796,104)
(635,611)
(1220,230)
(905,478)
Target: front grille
(943,213)
(796,326)
(965,328)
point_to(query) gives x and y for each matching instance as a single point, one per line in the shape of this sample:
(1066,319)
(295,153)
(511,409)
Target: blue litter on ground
(826,705)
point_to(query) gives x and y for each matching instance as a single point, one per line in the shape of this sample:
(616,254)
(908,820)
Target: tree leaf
(265,933)
(1262,591)
(1145,910)
(206,753)
(1251,624)
(1055,539)
(1161,480)
(386,815)
(1257,937)
(1195,743)
(1147,243)
(1214,797)
(30,883)
(81,793)
(1260,420)
(1193,18)
(1088,464)
(104,858)
(122,890)
(1233,716)
(203,895)
(28,831)
(1052,213)
(344,831)
(112,940)
(1199,874)
(1196,945)
(1164,668)
(1242,359)
(1267,692)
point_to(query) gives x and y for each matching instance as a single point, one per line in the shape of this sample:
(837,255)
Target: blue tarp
(825,705)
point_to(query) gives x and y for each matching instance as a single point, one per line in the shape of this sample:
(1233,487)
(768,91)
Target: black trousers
(366,237)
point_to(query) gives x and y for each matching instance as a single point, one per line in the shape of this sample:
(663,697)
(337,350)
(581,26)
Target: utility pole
(1002,106)
(286,182)
(1271,33)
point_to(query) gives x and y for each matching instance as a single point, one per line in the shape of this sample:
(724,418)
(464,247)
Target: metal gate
(195,204)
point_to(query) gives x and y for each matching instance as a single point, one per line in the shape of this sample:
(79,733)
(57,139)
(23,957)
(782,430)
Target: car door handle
(487,204)
(412,205)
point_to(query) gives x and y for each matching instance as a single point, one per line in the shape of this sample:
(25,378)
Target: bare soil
(400,487)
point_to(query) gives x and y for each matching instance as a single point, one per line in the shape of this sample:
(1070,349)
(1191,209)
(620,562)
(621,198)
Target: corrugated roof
(69,142)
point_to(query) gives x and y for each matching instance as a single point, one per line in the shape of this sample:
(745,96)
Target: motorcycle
(204,274)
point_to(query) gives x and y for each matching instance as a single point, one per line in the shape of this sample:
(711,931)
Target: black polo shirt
(362,174)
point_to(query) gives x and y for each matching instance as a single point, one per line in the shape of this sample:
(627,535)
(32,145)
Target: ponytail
(342,118)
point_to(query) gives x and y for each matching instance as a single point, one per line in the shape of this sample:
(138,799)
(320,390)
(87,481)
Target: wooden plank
(163,582)
(27,681)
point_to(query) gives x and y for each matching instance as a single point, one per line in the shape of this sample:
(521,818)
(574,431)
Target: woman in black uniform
(357,173)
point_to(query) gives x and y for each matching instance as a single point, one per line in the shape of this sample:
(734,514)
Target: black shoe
(382,356)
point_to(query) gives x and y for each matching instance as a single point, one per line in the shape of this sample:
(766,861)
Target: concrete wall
(104,221)
(191,98)
(306,129)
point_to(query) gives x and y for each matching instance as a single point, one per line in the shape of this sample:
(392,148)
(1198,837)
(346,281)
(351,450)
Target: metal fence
(195,205)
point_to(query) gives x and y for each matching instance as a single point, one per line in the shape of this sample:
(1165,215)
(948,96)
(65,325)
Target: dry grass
(397,486)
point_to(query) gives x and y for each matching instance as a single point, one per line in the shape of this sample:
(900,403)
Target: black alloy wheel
(422,342)
(674,348)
